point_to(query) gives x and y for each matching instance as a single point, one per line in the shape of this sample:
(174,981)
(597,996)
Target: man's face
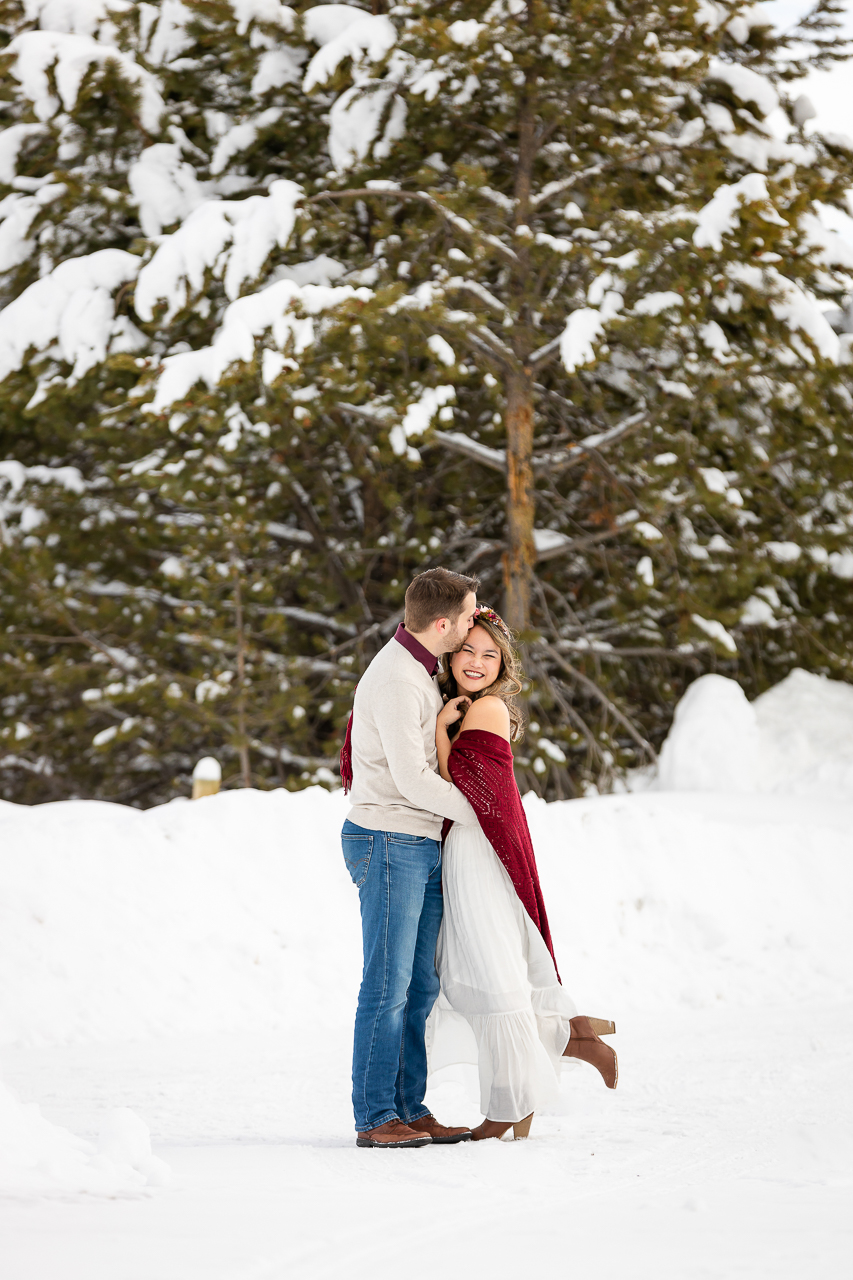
(455,637)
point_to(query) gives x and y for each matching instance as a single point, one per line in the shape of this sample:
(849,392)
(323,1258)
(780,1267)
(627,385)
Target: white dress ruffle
(501,1005)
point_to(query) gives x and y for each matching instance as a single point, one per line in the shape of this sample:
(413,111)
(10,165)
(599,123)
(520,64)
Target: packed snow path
(725,1153)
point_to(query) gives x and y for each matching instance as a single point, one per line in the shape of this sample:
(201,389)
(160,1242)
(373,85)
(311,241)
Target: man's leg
(423,993)
(392,897)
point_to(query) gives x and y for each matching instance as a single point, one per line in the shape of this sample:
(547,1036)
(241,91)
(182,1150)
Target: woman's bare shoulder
(489,713)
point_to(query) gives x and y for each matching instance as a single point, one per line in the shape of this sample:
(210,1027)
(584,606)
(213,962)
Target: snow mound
(124,1139)
(713,742)
(806,727)
(37,1157)
(235,912)
(796,739)
(226,913)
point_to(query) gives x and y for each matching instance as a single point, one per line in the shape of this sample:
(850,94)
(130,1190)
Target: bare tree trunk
(243,743)
(520,555)
(521,498)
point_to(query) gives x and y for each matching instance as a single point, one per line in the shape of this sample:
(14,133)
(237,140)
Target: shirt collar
(428,660)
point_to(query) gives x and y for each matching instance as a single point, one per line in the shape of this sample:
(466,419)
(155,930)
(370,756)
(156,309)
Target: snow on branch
(584,328)
(565,458)
(362,35)
(79,17)
(479,291)
(719,216)
(286,533)
(249,229)
(34,53)
(243,322)
(716,631)
(240,138)
(11,141)
(170,38)
(17,475)
(312,619)
(459,443)
(164,186)
(369,105)
(356,119)
(792,304)
(72,307)
(746,85)
(395,193)
(550,542)
(543,463)
(271,11)
(418,416)
(17,214)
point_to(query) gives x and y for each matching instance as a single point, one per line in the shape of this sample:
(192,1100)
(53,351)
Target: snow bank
(39,1157)
(235,911)
(795,739)
(713,742)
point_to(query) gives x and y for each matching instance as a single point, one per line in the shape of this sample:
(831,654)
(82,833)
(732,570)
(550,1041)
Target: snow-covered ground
(190,972)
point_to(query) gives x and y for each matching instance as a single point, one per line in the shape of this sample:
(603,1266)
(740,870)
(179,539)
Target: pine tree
(134,639)
(528,289)
(613,275)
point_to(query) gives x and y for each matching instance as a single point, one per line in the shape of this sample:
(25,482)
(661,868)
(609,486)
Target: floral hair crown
(483,611)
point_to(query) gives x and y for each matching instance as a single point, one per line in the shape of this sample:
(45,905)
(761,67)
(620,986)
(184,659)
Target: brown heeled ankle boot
(586,1045)
(497,1129)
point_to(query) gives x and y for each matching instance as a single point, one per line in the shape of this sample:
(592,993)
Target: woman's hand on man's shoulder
(490,714)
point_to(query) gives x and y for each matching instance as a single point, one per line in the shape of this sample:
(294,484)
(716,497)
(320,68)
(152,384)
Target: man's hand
(453,710)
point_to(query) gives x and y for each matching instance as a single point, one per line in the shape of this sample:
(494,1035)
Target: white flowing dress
(501,1005)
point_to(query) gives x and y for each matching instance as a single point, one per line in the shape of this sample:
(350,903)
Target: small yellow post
(207,776)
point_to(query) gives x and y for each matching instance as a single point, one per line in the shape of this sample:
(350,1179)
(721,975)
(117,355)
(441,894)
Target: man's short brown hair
(436,593)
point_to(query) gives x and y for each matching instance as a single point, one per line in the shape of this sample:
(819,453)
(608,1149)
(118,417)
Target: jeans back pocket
(357,851)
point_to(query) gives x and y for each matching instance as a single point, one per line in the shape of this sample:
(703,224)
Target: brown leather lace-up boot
(393,1134)
(587,1046)
(440,1133)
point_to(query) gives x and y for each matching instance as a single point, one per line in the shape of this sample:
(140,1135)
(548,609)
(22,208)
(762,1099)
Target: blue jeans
(399,885)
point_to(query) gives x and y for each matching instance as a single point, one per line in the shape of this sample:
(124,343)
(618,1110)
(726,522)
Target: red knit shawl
(480,765)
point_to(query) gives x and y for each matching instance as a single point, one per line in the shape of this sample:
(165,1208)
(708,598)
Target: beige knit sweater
(396,784)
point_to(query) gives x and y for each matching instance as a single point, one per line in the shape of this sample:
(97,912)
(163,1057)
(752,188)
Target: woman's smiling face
(477,664)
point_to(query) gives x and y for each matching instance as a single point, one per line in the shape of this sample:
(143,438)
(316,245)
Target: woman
(494,958)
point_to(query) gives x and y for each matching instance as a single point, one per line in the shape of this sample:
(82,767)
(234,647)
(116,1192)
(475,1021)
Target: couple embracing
(457,949)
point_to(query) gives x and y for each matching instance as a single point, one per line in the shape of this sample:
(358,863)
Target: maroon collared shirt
(427,660)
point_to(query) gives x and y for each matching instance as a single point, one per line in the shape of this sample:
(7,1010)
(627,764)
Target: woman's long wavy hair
(507,685)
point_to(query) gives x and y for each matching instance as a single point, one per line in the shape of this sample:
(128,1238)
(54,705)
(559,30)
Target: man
(392,848)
